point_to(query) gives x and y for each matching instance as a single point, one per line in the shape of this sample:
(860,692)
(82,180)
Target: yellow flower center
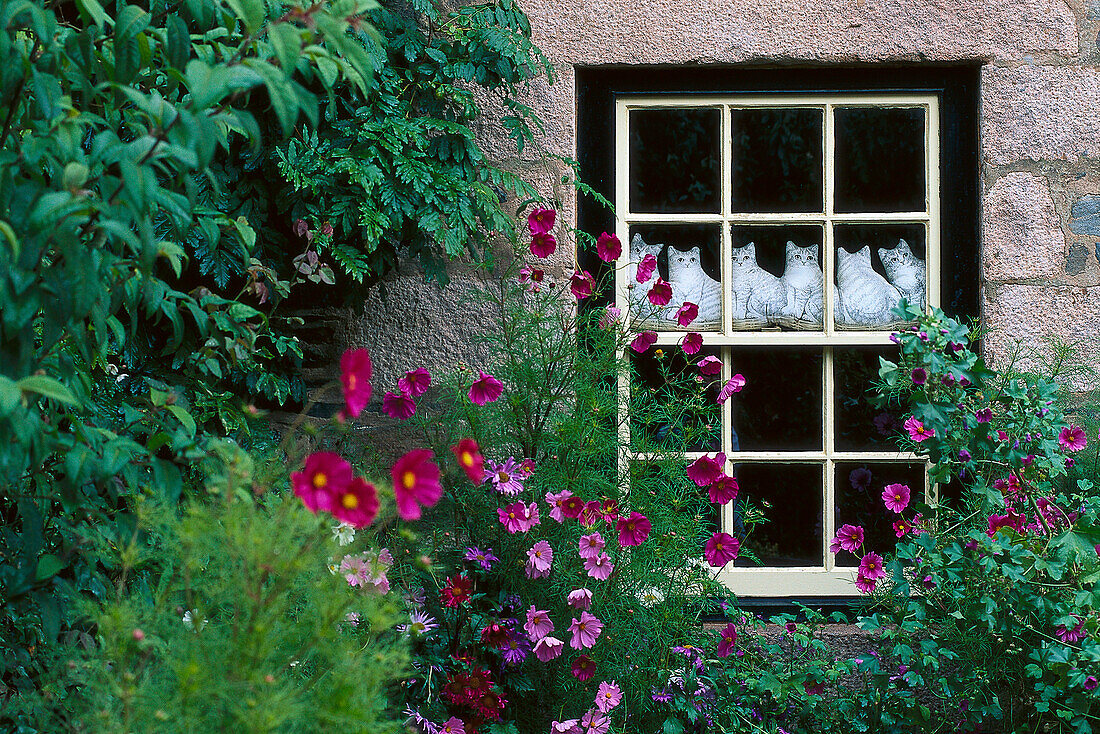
(467,458)
(408,479)
(349,501)
(351,382)
(320,479)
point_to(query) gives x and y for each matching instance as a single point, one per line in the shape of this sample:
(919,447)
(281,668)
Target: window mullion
(828,409)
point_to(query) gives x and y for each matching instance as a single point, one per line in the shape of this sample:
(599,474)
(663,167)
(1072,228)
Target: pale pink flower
(569,726)
(555,500)
(580,599)
(538,624)
(916,429)
(608,696)
(547,648)
(590,546)
(599,567)
(452,725)
(540,557)
(585,631)
(595,722)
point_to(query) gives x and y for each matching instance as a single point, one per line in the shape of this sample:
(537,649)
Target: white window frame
(828,579)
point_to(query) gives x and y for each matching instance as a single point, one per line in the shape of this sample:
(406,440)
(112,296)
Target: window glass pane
(780,407)
(675,160)
(876,266)
(791,497)
(859,425)
(879,160)
(672,406)
(777,158)
(775,276)
(688,258)
(859,502)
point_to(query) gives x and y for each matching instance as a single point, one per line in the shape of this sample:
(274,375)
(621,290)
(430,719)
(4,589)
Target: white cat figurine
(864,298)
(803,284)
(756,293)
(905,272)
(690,284)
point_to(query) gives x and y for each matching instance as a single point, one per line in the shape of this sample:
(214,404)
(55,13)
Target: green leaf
(10,396)
(250,11)
(287,41)
(74,176)
(282,96)
(178,49)
(184,418)
(47,387)
(93,10)
(48,566)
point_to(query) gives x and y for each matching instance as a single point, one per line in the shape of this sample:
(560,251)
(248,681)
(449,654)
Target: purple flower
(483,558)
(506,478)
(919,376)
(848,537)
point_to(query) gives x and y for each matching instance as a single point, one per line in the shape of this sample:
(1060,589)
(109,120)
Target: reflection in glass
(777,158)
(782,410)
(859,425)
(775,277)
(688,258)
(675,160)
(859,502)
(880,159)
(791,498)
(877,266)
(672,406)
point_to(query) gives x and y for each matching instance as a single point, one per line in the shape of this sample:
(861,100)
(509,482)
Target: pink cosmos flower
(541,556)
(415,483)
(721,549)
(687,313)
(452,725)
(902,527)
(538,624)
(646,268)
(368,570)
(723,490)
(398,406)
(691,343)
(469,457)
(895,497)
(1010,519)
(547,648)
(608,247)
(518,517)
(592,513)
(533,277)
(569,726)
(848,537)
(582,284)
(590,546)
(733,384)
(594,722)
(556,500)
(643,341)
(583,668)
(355,375)
(582,598)
(543,245)
(415,383)
(486,389)
(985,415)
(633,530)
(323,477)
(916,429)
(1072,438)
(356,504)
(572,507)
(599,567)
(870,567)
(610,316)
(506,478)
(706,470)
(585,631)
(710,366)
(608,696)
(864,584)
(660,293)
(727,638)
(1001,435)
(540,221)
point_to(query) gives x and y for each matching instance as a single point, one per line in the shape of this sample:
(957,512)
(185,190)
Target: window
(795,220)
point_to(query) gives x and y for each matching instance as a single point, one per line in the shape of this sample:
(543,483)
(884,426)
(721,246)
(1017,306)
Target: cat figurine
(756,293)
(864,298)
(691,284)
(905,271)
(644,312)
(803,284)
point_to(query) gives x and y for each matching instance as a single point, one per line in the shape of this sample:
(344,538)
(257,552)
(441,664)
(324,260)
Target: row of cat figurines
(864,299)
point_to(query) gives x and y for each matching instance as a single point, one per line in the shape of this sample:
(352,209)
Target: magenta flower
(721,549)
(643,341)
(727,638)
(687,313)
(633,530)
(1010,519)
(870,567)
(582,598)
(540,557)
(710,366)
(506,478)
(895,497)
(355,374)
(518,517)
(583,668)
(581,284)
(547,648)
(916,429)
(415,383)
(723,490)
(356,504)
(483,558)
(609,317)
(705,470)
(864,584)
(469,457)
(486,389)
(533,277)
(848,537)
(902,527)
(556,500)
(1072,438)
(646,268)
(541,221)
(415,483)
(323,477)
(1071,635)
(660,293)
(585,631)
(691,343)
(543,245)
(733,384)
(608,247)
(985,415)
(919,375)
(399,406)
(452,725)
(599,567)
(608,696)
(538,624)
(590,546)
